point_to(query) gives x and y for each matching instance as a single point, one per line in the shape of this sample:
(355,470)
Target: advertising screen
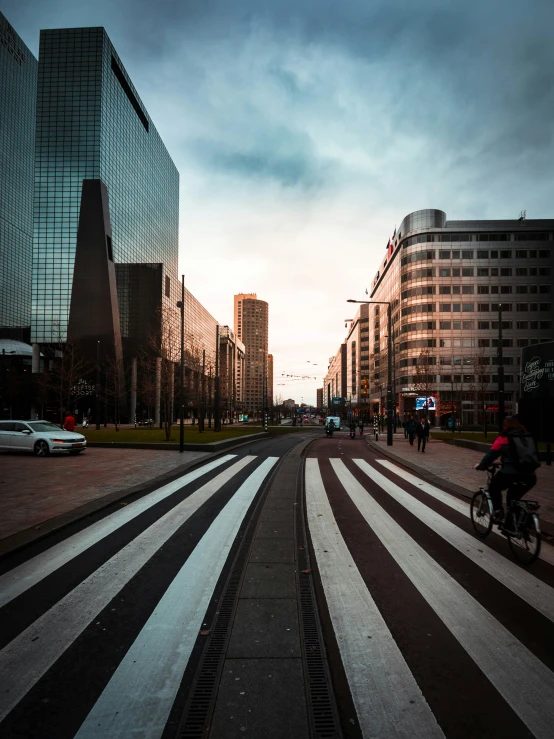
(426,404)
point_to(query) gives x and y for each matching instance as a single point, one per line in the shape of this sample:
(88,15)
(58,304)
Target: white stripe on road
(387,698)
(138,699)
(546,553)
(21,578)
(25,659)
(535,592)
(521,678)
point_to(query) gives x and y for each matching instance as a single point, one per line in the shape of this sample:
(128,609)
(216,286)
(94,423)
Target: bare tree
(424,382)
(480,386)
(67,368)
(115,385)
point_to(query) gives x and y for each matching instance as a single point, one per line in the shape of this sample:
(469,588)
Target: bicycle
(521,525)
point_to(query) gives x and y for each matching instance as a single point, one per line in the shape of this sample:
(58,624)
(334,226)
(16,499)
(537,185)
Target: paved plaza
(455,465)
(36,489)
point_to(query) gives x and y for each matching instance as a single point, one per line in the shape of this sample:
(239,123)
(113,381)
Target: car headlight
(58,441)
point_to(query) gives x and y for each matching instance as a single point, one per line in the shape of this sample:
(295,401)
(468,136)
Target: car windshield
(43,426)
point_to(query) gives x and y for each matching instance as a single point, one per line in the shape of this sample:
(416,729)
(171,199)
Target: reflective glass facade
(18,81)
(91,124)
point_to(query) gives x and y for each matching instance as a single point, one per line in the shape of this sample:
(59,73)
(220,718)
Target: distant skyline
(303,133)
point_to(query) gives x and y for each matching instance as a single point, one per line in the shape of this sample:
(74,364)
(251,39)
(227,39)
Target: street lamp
(389,362)
(500,372)
(217,419)
(181,305)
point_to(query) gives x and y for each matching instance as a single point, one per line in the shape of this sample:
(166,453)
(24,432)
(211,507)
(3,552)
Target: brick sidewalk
(36,489)
(455,464)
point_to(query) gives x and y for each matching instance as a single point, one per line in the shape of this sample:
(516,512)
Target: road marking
(25,659)
(138,699)
(523,680)
(21,578)
(532,590)
(387,698)
(546,553)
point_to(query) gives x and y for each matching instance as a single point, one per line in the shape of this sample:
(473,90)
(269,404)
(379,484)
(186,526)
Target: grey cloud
(289,166)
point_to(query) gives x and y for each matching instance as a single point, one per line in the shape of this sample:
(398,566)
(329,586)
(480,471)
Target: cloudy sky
(305,130)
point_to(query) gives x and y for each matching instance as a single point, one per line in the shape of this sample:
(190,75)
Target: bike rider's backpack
(523,452)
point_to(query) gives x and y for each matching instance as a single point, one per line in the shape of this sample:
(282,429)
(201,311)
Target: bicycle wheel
(481,513)
(526,543)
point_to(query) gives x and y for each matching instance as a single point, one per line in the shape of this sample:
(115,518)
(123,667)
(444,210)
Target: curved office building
(447,282)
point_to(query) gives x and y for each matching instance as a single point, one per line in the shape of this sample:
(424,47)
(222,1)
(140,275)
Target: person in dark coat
(411,426)
(508,473)
(422,431)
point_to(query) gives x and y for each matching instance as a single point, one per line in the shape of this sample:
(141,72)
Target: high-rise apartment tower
(251,326)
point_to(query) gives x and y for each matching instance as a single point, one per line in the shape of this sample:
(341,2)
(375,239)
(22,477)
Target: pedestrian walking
(361,426)
(69,423)
(422,431)
(405,427)
(411,426)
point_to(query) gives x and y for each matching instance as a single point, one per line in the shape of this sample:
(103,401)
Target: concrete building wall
(445,281)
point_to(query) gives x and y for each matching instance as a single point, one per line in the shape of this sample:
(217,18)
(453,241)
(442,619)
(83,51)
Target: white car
(40,437)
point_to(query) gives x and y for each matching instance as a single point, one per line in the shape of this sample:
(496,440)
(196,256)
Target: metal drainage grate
(199,707)
(321,700)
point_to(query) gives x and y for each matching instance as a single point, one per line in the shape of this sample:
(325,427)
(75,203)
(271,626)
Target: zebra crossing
(439,633)
(137,699)
(384,689)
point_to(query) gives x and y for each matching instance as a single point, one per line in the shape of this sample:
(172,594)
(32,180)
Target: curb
(211,447)
(480,446)
(440,482)
(21,539)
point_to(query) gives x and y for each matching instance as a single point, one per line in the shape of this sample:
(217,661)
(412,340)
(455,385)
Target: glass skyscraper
(92,125)
(18,83)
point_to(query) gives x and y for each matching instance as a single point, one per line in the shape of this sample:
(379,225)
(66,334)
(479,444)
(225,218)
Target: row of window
(468,325)
(470,254)
(470,307)
(456,379)
(459,237)
(481,272)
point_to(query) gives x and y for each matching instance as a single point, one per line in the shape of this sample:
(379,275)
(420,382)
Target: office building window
(482,272)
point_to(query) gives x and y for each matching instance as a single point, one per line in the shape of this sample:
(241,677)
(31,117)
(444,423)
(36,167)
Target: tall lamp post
(500,371)
(389,363)
(217,419)
(97,394)
(181,305)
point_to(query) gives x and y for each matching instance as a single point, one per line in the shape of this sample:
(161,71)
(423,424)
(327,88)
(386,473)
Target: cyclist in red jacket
(508,473)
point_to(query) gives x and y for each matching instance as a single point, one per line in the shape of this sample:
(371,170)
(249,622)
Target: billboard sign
(337,401)
(537,371)
(428,403)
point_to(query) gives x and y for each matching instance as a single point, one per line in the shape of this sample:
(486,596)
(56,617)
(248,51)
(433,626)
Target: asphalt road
(421,629)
